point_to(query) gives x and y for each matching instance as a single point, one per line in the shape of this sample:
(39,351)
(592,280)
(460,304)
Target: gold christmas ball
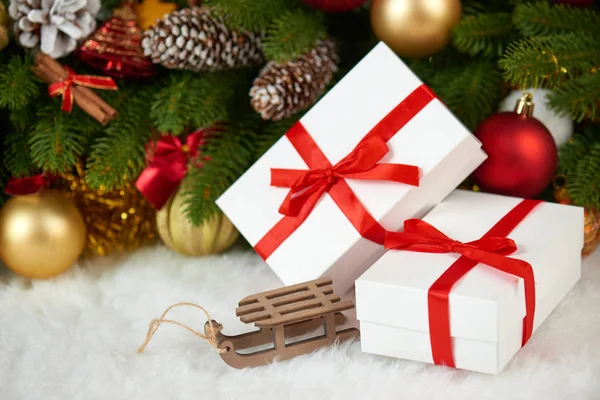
(415,28)
(214,236)
(41,235)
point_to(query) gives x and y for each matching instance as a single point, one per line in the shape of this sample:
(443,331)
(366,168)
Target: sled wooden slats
(286,313)
(291,304)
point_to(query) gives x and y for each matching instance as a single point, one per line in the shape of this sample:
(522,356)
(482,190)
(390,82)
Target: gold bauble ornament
(41,234)
(4,21)
(415,28)
(177,232)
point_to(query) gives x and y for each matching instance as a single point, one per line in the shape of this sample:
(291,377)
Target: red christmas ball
(522,155)
(335,5)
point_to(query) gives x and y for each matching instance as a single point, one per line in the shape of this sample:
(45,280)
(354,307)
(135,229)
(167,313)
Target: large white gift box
(421,132)
(486,306)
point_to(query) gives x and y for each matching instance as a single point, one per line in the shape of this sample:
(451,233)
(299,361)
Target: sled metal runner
(283,313)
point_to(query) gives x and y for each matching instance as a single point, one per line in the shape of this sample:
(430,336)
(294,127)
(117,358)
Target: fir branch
(189,99)
(579,97)
(583,183)
(470,90)
(570,153)
(16,153)
(57,139)
(544,61)
(229,156)
(543,19)
(485,34)
(271,134)
(252,15)
(18,84)
(119,156)
(293,33)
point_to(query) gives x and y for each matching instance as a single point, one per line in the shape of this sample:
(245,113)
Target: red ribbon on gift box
(308,186)
(65,88)
(168,160)
(492,249)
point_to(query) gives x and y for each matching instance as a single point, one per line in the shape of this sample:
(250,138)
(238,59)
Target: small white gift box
(398,305)
(380,94)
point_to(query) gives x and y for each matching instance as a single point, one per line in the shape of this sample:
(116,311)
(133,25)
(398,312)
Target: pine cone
(282,90)
(196,40)
(53,25)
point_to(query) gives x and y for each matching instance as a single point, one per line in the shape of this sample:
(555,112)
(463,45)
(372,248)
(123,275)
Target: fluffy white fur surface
(75,337)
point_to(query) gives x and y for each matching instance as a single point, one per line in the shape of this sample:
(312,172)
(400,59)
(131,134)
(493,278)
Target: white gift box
(486,306)
(326,243)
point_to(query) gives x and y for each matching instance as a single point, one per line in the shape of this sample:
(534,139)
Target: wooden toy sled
(283,313)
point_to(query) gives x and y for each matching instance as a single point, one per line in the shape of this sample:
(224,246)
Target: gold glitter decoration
(117,221)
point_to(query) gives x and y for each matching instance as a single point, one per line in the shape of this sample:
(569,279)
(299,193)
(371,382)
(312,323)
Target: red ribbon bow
(308,186)
(65,88)
(25,185)
(168,162)
(492,249)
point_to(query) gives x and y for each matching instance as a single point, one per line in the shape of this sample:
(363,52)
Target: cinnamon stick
(50,71)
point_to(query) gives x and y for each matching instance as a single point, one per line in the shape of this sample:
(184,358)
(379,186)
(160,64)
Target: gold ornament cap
(525,105)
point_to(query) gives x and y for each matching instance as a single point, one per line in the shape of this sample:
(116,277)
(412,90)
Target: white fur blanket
(75,337)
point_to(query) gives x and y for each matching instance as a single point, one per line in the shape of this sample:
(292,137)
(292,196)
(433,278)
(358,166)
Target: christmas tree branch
(192,100)
(119,155)
(18,84)
(578,97)
(485,34)
(470,90)
(16,153)
(545,61)
(293,33)
(58,139)
(229,154)
(543,19)
(251,15)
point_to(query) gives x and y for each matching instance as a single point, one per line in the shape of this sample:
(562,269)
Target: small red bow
(65,88)
(168,161)
(491,250)
(307,186)
(25,185)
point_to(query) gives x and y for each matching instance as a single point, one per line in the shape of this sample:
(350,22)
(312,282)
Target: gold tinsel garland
(118,220)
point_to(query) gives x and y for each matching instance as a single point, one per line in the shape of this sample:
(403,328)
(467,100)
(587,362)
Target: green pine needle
(543,19)
(293,33)
(16,153)
(545,61)
(485,34)
(252,15)
(57,140)
(18,84)
(119,155)
(189,100)
(578,97)
(470,90)
(229,154)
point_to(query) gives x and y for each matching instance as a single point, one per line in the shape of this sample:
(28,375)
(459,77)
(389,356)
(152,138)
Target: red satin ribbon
(65,88)
(26,185)
(308,186)
(168,162)
(492,249)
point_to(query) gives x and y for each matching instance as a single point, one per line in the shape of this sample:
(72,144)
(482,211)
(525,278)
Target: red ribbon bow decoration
(65,88)
(25,185)
(308,186)
(492,249)
(168,161)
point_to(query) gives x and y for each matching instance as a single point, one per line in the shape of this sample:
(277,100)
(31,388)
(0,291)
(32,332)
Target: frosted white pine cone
(54,26)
